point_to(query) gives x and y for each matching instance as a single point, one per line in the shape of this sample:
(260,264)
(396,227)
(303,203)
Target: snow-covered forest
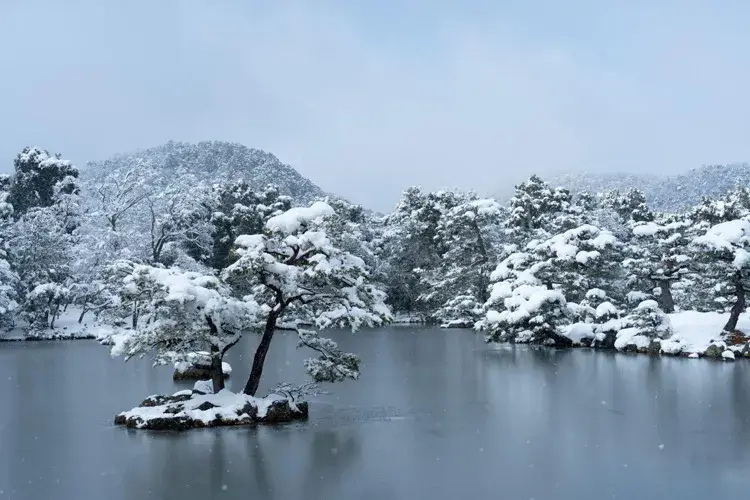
(151,255)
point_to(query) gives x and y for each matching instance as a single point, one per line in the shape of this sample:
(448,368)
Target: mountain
(663,193)
(215,161)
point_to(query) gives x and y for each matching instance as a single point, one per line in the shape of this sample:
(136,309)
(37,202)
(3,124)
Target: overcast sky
(366,98)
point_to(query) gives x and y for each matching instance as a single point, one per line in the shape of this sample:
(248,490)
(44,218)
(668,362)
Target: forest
(152,258)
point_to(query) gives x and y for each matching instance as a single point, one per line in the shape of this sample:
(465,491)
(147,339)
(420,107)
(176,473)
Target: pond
(436,414)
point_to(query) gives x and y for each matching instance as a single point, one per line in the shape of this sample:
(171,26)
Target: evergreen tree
(181,313)
(660,257)
(724,252)
(36,178)
(297,275)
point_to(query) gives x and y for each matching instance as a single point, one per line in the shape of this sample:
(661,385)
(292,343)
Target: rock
(728,355)
(163,400)
(281,411)
(206,405)
(630,348)
(250,410)
(194,373)
(303,410)
(654,347)
(181,423)
(608,342)
(203,387)
(713,351)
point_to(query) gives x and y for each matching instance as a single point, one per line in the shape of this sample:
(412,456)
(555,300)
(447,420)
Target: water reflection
(436,414)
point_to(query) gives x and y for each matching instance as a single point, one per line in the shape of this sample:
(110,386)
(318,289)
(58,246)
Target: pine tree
(298,276)
(660,257)
(37,174)
(725,253)
(180,313)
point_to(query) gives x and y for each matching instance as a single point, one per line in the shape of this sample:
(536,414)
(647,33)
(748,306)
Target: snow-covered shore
(695,334)
(66,327)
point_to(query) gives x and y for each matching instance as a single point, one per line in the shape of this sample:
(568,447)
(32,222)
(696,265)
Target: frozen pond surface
(436,415)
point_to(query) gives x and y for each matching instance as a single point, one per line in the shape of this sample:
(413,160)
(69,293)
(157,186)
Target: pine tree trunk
(666,301)
(135,314)
(83,313)
(55,313)
(739,305)
(217,374)
(260,355)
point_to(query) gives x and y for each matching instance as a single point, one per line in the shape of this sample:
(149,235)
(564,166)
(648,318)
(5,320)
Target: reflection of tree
(331,454)
(262,483)
(738,395)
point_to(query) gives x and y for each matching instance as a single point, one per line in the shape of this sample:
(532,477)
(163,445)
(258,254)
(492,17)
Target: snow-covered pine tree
(297,275)
(645,326)
(535,204)
(521,308)
(659,257)
(9,282)
(468,239)
(238,209)
(631,206)
(409,251)
(462,311)
(532,314)
(724,252)
(40,244)
(578,260)
(36,179)
(181,313)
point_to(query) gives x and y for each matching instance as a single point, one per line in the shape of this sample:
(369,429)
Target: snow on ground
(695,331)
(67,327)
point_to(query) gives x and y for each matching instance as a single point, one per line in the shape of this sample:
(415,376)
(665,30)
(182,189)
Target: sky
(367,98)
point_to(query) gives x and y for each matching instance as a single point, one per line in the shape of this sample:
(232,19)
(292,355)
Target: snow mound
(577,332)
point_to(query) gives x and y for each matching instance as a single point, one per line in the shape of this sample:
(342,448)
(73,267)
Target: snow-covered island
(195,408)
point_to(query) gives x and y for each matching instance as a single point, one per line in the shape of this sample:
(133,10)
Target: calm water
(436,415)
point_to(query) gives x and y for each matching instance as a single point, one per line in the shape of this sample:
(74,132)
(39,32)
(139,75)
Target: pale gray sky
(367,98)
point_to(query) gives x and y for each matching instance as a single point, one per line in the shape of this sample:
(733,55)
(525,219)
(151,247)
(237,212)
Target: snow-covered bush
(531,314)
(645,326)
(462,311)
(43,305)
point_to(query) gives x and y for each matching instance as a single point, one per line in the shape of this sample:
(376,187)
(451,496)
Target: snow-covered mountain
(215,161)
(663,193)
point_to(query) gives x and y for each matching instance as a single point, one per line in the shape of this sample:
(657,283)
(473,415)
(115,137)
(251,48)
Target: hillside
(664,193)
(216,161)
